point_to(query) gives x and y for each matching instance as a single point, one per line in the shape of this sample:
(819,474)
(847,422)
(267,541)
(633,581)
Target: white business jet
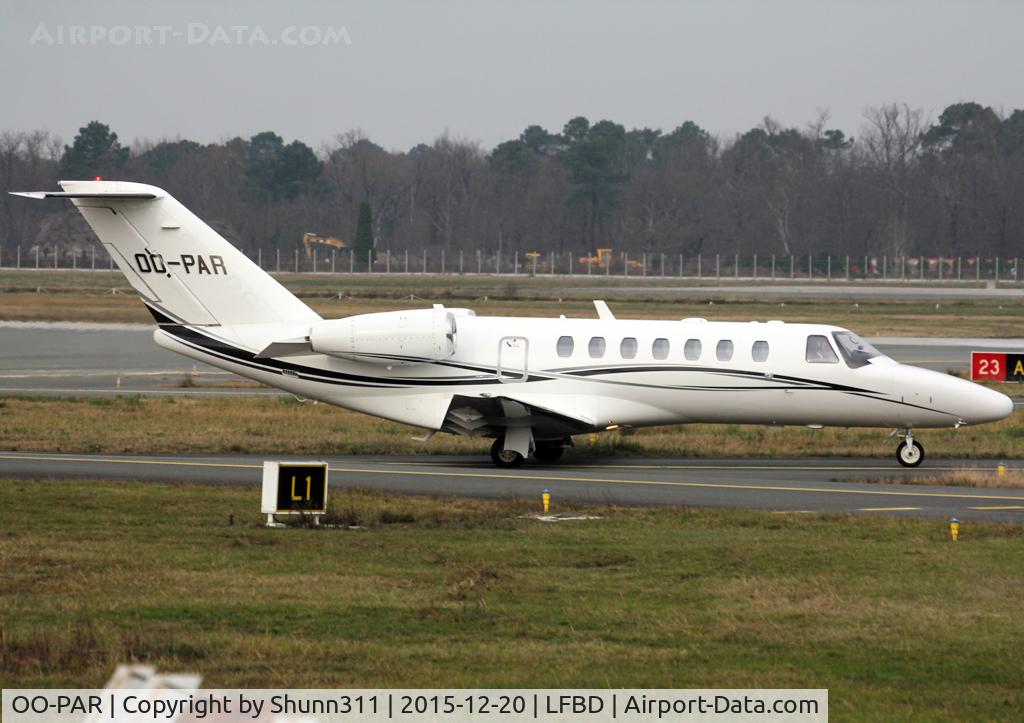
(530,384)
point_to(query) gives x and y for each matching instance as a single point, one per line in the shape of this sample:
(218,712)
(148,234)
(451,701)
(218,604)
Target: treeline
(901,185)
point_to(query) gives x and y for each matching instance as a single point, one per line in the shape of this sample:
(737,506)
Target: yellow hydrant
(546,499)
(1001,470)
(954,528)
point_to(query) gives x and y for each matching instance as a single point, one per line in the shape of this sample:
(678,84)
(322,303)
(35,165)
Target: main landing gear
(546,451)
(910,453)
(505,458)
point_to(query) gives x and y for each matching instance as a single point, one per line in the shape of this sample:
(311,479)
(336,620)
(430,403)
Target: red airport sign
(997,366)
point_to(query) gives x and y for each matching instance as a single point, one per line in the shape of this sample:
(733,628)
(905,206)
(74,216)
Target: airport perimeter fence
(720,267)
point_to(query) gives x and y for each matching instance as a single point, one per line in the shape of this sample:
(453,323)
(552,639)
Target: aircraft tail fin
(185,271)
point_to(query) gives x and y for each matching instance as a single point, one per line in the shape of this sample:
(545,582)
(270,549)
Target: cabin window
(628,348)
(759,352)
(724,350)
(692,349)
(659,349)
(596,347)
(819,351)
(564,346)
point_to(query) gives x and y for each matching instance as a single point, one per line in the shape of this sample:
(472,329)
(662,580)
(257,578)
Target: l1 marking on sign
(294,488)
(997,366)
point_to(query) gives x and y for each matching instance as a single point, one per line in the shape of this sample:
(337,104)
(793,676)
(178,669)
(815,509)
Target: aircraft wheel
(505,458)
(910,453)
(548,452)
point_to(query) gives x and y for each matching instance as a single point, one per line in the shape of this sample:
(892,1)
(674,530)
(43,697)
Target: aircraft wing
(492,416)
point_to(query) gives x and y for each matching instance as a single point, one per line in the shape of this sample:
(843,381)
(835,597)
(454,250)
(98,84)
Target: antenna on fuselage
(603,312)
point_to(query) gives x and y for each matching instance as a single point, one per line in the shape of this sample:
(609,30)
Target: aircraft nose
(988,405)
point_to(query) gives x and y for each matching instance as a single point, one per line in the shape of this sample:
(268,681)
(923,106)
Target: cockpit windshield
(855,350)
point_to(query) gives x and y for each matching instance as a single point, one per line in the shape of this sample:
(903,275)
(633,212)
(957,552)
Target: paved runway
(89,359)
(822,289)
(788,486)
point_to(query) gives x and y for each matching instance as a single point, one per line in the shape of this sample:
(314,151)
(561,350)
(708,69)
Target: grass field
(82,296)
(281,425)
(898,622)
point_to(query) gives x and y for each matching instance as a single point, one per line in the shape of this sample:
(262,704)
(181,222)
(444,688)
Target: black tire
(910,455)
(505,458)
(548,452)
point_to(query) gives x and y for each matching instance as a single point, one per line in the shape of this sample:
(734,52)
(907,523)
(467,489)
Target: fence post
(996,279)
(791,267)
(442,261)
(773,267)
(461,261)
(828,266)
(699,259)
(885,267)
(18,255)
(278,260)
(680,266)
(37,257)
(569,254)
(736,267)
(424,260)
(93,257)
(352,262)
(755,267)
(625,264)
(296,261)
(407,261)
(959,268)
(718,266)
(479,261)
(920,263)
(515,264)
(314,262)
(55,255)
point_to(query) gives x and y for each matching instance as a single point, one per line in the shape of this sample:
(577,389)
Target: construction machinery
(604,257)
(309,239)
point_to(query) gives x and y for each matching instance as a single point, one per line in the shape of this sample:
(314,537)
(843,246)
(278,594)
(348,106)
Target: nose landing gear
(910,453)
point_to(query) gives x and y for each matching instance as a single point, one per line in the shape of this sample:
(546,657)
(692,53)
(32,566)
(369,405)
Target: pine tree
(363,247)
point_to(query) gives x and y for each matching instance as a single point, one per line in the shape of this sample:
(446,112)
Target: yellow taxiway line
(538,478)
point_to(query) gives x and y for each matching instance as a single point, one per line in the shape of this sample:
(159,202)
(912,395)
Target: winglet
(603,312)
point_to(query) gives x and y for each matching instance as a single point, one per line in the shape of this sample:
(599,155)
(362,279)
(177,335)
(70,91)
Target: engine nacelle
(390,337)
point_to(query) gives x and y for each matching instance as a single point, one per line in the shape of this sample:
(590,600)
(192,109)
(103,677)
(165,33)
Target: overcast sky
(405,72)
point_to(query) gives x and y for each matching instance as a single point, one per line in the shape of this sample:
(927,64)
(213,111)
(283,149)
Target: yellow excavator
(309,239)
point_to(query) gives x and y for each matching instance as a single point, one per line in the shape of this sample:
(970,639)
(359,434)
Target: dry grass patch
(281,425)
(885,612)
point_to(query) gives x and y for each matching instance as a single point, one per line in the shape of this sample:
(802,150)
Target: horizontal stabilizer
(71,194)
